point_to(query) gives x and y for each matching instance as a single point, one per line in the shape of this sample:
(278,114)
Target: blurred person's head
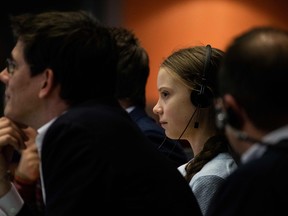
(253,84)
(132,68)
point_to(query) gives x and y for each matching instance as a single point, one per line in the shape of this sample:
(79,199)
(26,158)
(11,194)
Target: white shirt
(39,140)
(257,150)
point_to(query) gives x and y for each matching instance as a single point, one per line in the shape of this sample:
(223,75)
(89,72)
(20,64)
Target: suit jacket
(256,188)
(172,149)
(96,160)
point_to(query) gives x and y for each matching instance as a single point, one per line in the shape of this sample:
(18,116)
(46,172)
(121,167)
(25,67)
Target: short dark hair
(76,46)
(255,72)
(132,68)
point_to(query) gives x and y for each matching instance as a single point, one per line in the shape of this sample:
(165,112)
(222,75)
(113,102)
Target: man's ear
(46,84)
(234,114)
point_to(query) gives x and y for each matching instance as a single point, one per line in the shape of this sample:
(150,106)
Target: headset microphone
(195,111)
(244,137)
(223,119)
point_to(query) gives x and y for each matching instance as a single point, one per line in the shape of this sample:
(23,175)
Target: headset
(203,97)
(228,117)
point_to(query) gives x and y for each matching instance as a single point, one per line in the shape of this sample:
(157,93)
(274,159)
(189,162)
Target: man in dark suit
(253,111)
(60,80)
(133,71)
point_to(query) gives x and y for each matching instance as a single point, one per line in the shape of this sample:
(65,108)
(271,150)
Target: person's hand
(11,137)
(28,167)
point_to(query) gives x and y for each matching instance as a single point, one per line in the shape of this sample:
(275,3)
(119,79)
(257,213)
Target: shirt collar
(41,133)
(130,109)
(257,149)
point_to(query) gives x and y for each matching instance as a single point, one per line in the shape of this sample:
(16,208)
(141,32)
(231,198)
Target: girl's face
(174,107)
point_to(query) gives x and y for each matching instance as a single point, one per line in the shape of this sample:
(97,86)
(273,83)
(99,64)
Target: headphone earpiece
(203,97)
(228,117)
(201,100)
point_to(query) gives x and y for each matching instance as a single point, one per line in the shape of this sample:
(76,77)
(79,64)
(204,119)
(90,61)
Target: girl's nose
(157,109)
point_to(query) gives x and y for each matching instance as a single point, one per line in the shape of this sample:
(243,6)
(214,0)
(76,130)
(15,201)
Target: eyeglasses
(10,64)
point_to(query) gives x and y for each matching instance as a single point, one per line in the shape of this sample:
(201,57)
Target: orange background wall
(165,25)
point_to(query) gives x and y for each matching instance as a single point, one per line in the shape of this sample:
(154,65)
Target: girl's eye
(164,94)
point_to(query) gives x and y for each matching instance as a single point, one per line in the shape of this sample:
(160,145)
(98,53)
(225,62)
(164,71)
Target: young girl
(187,87)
